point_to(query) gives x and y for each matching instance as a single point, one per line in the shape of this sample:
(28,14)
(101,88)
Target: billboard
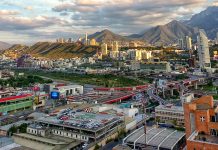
(55,95)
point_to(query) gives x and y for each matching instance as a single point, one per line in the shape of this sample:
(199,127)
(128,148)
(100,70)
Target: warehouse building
(156,138)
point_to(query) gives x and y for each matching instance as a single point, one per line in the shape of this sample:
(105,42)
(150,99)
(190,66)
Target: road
(151,94)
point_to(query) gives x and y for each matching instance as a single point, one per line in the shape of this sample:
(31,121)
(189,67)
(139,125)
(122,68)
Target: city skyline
(28,22)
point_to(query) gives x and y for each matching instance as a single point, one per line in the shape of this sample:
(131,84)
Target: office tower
(86,39)
(93,42)
(201,124)
(181,43)
(217,38)
(104,49)
(203,50)
(115,46)
(187,43)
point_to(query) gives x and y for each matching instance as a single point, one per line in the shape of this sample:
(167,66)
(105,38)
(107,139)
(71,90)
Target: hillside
(107,36)
(4,45)
(207,20)
(53,50)
(166,34)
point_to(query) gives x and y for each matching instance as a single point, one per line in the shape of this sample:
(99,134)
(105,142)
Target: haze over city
(24,21)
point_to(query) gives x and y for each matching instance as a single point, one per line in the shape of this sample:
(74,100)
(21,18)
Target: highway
(151,94)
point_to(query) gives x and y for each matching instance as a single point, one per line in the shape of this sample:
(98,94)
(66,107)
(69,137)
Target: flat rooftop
(79,120)
(157,137)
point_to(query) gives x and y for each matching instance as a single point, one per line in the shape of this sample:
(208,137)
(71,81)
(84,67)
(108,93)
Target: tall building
(201,124)
(86,39)
(104,49)
(203,50)
(217,38)
(181,43)
(188,43)
(115,46)
(185,43)
(93,42)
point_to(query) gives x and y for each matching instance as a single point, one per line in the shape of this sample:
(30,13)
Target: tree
(97,147)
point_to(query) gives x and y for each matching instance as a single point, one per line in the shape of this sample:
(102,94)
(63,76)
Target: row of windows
(13,102)
(169,113)
(61,133)
(171,118)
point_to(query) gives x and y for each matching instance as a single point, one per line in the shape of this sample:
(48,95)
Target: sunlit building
(104,49)
(201,124)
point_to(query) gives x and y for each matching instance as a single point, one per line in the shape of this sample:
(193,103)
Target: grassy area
(23,81)
(99,80)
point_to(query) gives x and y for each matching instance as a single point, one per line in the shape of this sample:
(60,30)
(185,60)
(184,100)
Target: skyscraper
(115,46)
(185,43)
(181,43)
(188,43)
(86,39)
(203,50)
(93,42)
(104,49)
(217,38)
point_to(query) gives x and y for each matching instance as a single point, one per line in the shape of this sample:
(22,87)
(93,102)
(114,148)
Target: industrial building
(74,125)
(156,138)
(68,90)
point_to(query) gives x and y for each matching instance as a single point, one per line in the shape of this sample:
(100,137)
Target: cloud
(28,8)
(8,12)
(128,14)
(26,23)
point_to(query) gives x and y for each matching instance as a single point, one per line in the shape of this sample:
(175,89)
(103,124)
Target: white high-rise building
(203,50)
(217,38)
(86,39)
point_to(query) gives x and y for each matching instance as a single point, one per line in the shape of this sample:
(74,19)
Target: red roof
(12,98)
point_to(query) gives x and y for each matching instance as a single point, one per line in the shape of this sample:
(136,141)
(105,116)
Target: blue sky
(29,21)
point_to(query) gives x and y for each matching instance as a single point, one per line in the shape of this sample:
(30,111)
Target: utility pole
(144,103)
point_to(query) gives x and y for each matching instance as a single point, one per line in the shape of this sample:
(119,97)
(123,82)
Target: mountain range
(162,34)
(170,32)
(4,45)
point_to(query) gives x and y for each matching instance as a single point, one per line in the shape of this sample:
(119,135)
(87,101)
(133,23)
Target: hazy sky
(28,21)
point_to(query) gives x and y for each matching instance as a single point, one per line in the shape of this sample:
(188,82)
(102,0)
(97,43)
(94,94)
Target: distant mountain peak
(207,20)
(4,45)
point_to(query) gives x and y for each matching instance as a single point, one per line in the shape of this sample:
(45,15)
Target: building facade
(201,123)
(170,115)
(16,103)
(203,50)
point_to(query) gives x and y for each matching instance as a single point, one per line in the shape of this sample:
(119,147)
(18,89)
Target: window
(202,119)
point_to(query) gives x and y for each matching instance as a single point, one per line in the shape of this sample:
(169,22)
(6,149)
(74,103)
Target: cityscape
(108,75)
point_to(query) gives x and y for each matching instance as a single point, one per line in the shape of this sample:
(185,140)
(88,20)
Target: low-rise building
(170,114)
(16,103)
(156,66)
(156,138)
(68,90)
